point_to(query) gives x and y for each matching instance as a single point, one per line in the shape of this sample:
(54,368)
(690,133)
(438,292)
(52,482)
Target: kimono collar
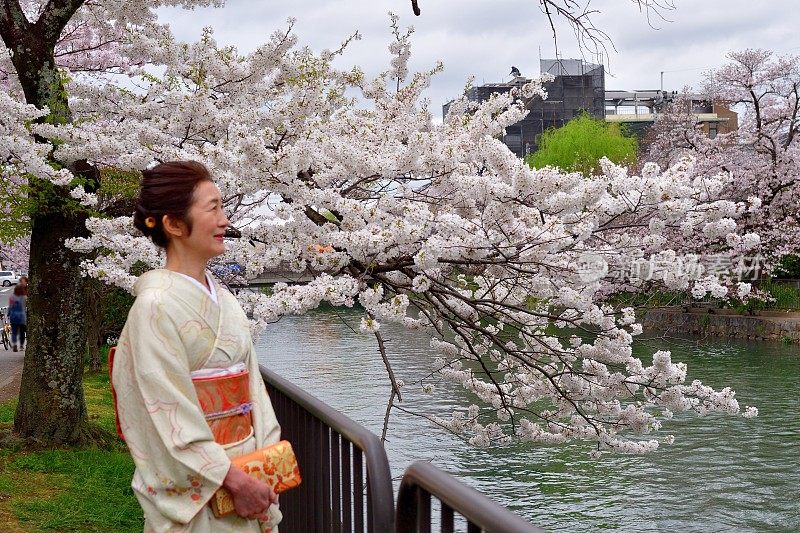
(180,287)
(211,290)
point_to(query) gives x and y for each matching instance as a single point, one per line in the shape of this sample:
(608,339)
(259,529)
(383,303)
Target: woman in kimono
(184,324)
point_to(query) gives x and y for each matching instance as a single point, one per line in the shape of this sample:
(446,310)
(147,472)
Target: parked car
(8,278)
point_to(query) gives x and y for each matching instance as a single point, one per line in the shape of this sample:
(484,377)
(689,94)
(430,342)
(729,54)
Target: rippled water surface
(721,474)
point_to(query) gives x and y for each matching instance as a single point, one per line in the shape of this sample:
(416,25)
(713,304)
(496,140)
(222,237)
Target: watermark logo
(591,267)
(742,268)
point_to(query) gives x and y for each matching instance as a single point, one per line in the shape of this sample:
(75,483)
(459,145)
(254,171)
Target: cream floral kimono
(173,328)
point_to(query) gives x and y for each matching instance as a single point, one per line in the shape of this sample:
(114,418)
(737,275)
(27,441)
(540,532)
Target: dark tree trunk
(51,405)
(94,322)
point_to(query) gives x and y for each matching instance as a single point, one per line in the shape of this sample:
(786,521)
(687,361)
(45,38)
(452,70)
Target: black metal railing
(422,480)
(347,484)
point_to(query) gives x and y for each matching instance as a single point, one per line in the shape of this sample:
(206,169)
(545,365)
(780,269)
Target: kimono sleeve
(265,423)
(179,465)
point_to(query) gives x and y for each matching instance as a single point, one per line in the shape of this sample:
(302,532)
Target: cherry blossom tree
(45,42)
(17,254)
(762,157)
(437,227)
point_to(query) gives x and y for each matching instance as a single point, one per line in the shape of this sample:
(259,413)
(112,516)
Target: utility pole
(662,81)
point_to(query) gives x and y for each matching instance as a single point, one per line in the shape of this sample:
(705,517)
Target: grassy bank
(780,297)
(68,489)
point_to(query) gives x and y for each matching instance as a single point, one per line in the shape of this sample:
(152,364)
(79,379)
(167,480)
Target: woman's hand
(251,497)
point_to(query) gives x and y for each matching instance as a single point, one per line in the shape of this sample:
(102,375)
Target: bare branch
(580,18)
(392,380)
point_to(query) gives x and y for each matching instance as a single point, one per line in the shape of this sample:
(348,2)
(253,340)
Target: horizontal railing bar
(474,506)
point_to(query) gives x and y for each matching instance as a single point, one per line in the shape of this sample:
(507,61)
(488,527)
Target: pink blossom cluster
(762,156)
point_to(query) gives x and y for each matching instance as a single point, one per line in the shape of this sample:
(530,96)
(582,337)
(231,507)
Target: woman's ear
(173,227)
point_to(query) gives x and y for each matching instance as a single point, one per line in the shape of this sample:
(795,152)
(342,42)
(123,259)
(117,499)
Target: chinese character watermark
(592,267)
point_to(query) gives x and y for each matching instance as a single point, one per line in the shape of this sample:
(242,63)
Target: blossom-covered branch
(437,227)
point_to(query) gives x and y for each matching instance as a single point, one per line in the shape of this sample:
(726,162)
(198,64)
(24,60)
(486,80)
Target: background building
(637,110)
(580,87)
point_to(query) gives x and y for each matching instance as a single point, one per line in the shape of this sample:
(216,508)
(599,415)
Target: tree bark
(94,322)
(51,408)
(51,404)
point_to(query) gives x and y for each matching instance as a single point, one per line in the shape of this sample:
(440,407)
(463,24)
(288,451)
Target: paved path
(10,362)
(10,366)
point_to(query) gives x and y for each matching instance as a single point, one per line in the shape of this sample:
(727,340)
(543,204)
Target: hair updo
(167,189)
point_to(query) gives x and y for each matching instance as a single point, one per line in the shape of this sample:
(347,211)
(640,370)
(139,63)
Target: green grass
(69,489)
(7,410)
(100,406)
(89,491)
(641,301)
(787,298)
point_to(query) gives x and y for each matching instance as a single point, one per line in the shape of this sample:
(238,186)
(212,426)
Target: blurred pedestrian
(18,316)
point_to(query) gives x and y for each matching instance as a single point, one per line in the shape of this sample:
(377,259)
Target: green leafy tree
(579,145)
(789,267)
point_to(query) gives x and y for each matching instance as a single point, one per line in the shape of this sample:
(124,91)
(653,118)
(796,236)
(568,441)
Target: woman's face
(208,221)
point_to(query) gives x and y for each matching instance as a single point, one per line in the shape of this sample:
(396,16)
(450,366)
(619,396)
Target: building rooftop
(649,117)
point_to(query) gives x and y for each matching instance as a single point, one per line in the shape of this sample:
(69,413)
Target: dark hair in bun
(167,189)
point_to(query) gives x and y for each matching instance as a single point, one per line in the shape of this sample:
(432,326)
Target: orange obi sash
(224,397)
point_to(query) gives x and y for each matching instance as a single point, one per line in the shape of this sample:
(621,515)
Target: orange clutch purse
(275,465)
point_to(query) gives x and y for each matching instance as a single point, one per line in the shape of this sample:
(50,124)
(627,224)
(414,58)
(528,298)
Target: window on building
(712,130)
(513,138)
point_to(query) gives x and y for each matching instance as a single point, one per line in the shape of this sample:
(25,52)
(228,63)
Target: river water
(721,474)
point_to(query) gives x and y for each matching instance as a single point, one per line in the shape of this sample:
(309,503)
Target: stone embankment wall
(775,328)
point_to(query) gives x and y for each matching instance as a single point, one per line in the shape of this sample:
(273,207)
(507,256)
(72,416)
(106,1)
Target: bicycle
(5,332)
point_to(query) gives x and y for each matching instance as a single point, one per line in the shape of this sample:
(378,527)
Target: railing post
(406,515)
